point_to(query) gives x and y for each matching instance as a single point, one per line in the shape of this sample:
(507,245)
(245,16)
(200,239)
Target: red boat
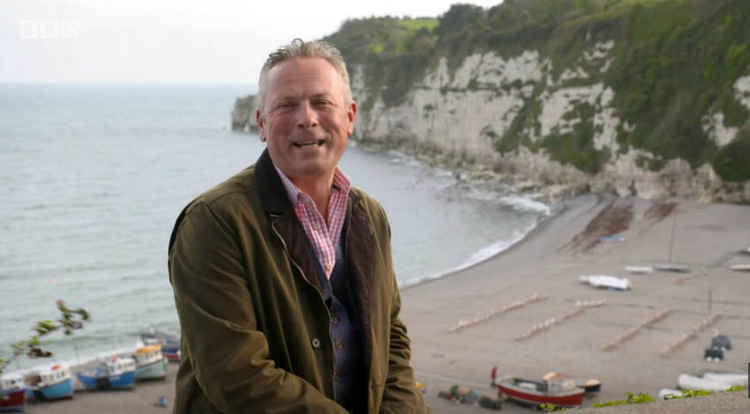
(12,400)
(563,393)
(12,393)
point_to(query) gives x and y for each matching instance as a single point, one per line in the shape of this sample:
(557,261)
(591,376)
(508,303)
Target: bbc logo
(49,29)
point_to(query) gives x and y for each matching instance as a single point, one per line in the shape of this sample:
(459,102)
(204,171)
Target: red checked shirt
(323,234)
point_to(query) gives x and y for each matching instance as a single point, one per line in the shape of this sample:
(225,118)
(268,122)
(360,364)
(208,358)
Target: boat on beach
(711,381)
(150,363)
(607,282)
(553,389)
(112,373)
(540,392)
(12,393)
(170,344)
(667,393)
(49,383)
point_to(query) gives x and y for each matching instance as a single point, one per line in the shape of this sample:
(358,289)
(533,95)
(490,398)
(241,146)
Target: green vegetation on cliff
(673,63)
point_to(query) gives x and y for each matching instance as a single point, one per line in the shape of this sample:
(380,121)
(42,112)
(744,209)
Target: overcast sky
(183,41)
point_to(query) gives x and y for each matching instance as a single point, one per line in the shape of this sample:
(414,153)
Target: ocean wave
(481,255)
(527,204)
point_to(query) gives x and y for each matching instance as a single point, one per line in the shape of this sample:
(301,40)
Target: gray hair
(298,48)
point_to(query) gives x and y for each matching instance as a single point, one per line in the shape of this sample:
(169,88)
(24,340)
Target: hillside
(641,97)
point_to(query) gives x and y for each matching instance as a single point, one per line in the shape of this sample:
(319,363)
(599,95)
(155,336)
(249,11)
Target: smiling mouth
(318,142)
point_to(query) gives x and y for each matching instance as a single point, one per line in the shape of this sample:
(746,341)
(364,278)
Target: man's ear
(259,121)
(351,114)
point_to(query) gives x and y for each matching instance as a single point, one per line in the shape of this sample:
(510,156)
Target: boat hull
(57,391)
(108,382)
(567,399)
(171,352)
(153,370)
(13,401)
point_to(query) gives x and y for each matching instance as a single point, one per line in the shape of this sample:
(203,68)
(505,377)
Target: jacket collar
(270,188)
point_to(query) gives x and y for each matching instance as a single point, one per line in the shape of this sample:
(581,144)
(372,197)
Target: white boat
(745,267)
(729,378)
(150,363)
(607,282)
(639,270)
(692,382)
(664,393)
(49,383)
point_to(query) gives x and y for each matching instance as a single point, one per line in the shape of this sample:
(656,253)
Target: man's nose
(307,117)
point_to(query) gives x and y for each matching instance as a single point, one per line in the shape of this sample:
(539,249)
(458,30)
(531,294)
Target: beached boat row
(58,381)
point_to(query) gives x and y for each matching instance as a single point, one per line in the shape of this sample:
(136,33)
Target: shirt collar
(340,183)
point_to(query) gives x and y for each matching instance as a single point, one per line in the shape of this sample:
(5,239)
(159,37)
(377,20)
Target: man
(282,274)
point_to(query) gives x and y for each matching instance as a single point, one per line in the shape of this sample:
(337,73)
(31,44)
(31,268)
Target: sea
(94,175)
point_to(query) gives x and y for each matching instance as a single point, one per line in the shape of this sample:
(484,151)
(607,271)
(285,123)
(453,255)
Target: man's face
(305,120)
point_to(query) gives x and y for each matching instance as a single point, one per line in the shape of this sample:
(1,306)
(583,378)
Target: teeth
(308,143)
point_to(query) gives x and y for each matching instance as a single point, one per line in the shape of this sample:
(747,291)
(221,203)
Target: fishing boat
(49,383)
(170,344)
(171,349)
(551,390)
(12,393)
(110,374)
(149,363)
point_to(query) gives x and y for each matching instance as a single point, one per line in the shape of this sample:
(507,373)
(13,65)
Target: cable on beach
(463,323)
(630,333)
(581,307)
(703,325)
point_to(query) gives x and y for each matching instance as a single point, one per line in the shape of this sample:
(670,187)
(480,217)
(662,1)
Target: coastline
(555,211)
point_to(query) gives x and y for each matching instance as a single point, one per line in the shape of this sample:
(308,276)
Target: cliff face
(448,118)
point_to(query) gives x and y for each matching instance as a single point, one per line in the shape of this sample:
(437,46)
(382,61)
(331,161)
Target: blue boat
(52,383)
(114,373)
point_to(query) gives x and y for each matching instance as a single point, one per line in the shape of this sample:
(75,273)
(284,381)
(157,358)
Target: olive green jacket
(255,329)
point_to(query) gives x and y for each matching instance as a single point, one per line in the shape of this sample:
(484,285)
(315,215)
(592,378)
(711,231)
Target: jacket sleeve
(400,395)
(229,356)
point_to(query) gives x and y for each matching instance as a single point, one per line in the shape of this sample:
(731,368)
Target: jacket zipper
(328,312)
